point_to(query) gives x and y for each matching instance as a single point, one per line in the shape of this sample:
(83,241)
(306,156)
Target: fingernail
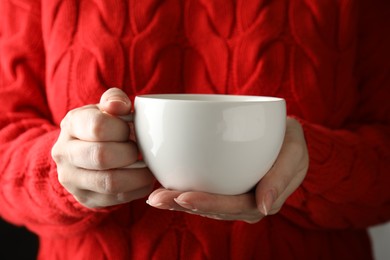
(156,205)
(119,99)
(267,203)
(185,204)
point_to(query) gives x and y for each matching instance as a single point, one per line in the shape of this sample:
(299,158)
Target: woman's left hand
(268,197)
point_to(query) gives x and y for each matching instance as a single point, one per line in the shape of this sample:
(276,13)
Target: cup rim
(210,98)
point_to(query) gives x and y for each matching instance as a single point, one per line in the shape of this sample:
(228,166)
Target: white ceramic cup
(220,144)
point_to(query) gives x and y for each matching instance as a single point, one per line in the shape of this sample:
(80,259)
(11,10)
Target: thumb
(287,173)
(115,102)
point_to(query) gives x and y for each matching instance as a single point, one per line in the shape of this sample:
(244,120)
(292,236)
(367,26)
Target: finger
(106,182)
(275,184)
(97,200)
(101,155)
(90,124)
(205,203)
(115,102)
(218,204)
(164,199)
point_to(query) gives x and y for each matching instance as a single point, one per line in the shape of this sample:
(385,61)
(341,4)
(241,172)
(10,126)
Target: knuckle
(89,200)
(96,125)
(65,121)
(84,200)
(56,154)
(124,197)
(63,178)
(98,155)
(108,184)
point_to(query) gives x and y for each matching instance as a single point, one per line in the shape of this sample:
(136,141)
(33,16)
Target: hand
(92,149)
(268,197)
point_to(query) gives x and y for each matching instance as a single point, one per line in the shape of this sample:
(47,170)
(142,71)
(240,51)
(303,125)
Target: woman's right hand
(92,150)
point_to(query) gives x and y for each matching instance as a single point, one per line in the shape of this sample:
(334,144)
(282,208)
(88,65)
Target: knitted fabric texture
(328,59)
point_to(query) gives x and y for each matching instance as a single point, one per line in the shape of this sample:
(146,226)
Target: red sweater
(328,59)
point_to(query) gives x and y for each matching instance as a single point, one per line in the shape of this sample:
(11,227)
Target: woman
(62,151)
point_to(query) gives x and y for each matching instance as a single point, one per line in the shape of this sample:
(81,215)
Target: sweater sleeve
(347,184)
(30,193)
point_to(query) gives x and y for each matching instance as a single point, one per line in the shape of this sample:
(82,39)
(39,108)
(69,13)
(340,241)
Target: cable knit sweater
(328,59)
